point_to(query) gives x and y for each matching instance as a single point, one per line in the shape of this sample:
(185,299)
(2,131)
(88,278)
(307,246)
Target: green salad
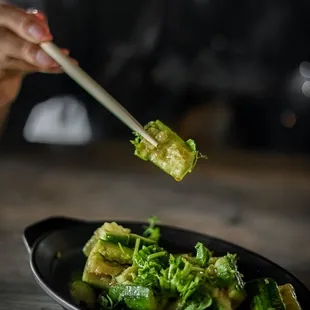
(125,270)
(173,155)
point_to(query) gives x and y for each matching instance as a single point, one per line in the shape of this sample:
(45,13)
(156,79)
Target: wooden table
(261,202)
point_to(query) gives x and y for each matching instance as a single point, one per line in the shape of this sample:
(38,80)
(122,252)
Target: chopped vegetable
(90,244)
(128,271)
(83,294)
(96,281)
(135,297)
(203,255)
(289,297)
(152,232)
(96,264)
(264,294)
(114,233)
(114,252)
(173,155)
(127,276)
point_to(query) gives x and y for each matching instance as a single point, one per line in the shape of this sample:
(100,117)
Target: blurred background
(232,75)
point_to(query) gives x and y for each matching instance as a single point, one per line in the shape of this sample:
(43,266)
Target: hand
(20,53)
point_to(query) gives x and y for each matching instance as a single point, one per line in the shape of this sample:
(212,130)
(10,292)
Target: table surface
(260,202)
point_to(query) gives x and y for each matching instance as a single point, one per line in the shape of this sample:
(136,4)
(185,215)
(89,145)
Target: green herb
(106,302)
(152,232)
(150,261)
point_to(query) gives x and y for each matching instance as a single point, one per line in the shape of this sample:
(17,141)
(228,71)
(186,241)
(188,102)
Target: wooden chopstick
(94,89)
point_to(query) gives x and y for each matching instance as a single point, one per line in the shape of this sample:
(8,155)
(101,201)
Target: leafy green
(200,302)
(174,277)
(227,271)
(185,280)
(152,232)
(150,261)
(203,255)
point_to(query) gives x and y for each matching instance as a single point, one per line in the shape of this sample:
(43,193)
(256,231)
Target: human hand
(20,52)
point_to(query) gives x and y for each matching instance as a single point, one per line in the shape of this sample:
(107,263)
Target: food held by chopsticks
(173,155)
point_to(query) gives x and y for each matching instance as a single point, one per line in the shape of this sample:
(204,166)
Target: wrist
(9,89)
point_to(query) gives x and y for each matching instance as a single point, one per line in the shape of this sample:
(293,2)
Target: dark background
(242,64)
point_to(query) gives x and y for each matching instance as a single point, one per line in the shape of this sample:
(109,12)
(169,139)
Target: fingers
(37,14)
(17,65)
(15,47)
(20,35)
(27,26)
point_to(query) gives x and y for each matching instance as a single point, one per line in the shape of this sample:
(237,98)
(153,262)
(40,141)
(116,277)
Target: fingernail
(43,59)
(65,51)
(37,32)
(40,15)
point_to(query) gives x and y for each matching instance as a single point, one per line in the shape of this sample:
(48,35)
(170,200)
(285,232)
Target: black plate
(47,238)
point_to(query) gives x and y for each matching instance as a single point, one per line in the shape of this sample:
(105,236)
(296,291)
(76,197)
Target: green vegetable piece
(203,255)
(152,232)
(126,240)
(264,294)
(201,303)
(150,261)
(228,277)
(117,234)
(289,297)
(96,264)
(114,252)
(236,295)
(127,276)
(183,279)
(115,228)
(106,302)
(89,245)
(97,281)
(135,297)
(227,272)
(114,233)
(82,294)
(173,155)
(221,300)
(106,227)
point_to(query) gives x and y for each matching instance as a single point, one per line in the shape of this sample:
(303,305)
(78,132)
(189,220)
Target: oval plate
(55,248)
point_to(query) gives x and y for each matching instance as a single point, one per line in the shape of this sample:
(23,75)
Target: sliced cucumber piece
(128,240)
(89,245)
(135,297)
(106,227)
(264,294)
(127,275)
(98,281)
(114,252)
(82,294)
(96,264)
(289,297)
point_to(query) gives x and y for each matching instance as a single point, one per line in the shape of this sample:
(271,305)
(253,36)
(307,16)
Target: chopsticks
(94,89)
